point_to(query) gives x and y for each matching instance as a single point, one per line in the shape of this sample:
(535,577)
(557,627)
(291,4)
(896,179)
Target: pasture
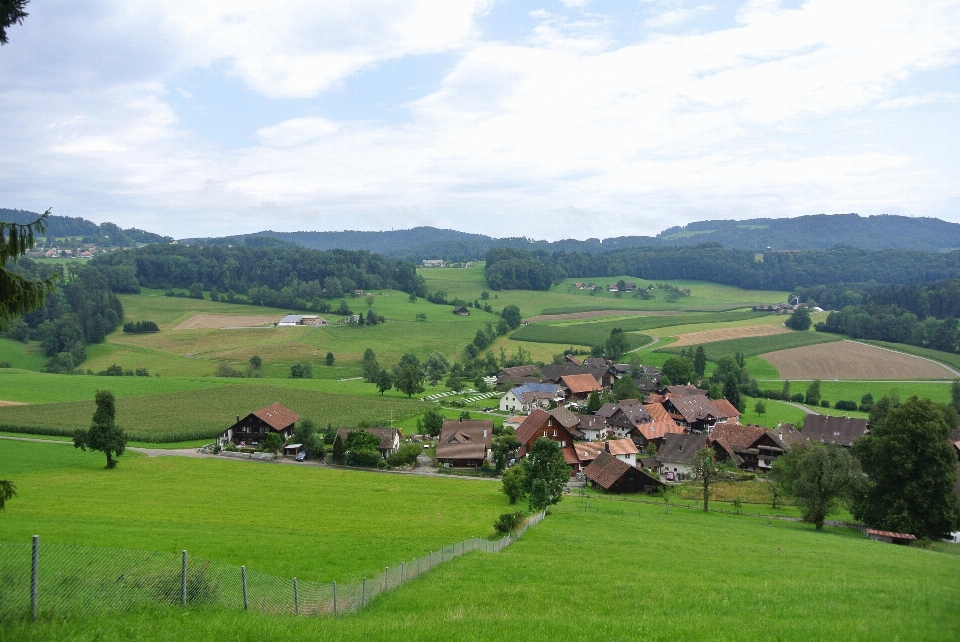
(851,360)
(761,579)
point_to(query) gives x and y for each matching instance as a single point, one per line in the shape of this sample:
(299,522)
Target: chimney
(606,446)
(484,433)
(238,418)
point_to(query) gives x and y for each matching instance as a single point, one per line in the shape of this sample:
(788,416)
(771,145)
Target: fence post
(363,594)
(243,580)
(418,567)
(441,554)
(183,580)
(385,569)
(296,597)
(34,576)
(334,599)
(401,572)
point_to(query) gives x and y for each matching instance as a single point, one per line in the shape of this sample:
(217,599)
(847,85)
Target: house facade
(465,443)
(253,429)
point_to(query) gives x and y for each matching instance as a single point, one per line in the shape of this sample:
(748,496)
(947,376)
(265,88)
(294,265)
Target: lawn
(707,577)
(26,356)
(468,283)
(206,412)
(306,521)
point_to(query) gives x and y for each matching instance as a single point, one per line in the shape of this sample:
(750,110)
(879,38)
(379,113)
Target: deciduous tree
(547,474)
(514,479)
(819,478)
(384,381)
(104,435)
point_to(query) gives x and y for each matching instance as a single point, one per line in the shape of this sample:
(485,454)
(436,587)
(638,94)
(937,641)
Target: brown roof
(592,422)
(386,435)
(465,439)
(580,383)
(833,430)
(684,391)
(570,456)
(277,416)
(786,435)
(655,398)
(517,371)
(727,409)
(607,410)
(657,411)
(635,413)
(588,450)
(621,447)
(873,531)
(660,429)
(734,438)
(606,470)
(554,372)
(566,418)
(680,448)
(532,425)
(694,407)
(595,362)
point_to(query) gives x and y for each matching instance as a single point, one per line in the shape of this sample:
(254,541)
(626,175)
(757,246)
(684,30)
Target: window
(544,433)
(554,433)
(563,444)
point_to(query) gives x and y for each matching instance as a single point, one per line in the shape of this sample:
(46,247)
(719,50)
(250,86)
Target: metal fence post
(334,599)
(243,580)
(363,594)
(183,580)
(401,572)
(385,569)
(34,576)
(296,597)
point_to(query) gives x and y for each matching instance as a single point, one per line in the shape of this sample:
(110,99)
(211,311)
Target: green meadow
(650,573)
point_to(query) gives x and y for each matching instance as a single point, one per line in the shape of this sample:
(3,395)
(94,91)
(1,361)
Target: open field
(851,360)
(576,316)
(224,321)
(205,413)
(832,584)
(468,283)
(724,334)
(310,522)
(949,358)
(754,346)
(590,333)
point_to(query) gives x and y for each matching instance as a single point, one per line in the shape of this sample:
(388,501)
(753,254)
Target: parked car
(671,476)
(302,455)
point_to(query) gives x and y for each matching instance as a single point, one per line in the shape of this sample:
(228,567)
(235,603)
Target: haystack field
(215,321)
(723,334)
(851,360)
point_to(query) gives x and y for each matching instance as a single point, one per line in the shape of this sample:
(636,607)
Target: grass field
(205,413)
(710,577)
(592,332)
(753,346)
(305,521)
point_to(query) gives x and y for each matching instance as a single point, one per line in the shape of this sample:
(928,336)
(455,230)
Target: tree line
(536,270)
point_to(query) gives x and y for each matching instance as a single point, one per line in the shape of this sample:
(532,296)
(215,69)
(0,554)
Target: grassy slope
(204,413)
(468,283)
(26,356)
(304,521)
(647,577)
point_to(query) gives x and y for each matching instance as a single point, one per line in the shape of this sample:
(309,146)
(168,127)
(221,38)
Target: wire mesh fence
(61,580)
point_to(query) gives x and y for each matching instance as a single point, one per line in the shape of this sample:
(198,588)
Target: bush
(363,458)
(508,522)
(226,370)
(301,371)
(406,455)
(797,398)
(845,405)
(825,403)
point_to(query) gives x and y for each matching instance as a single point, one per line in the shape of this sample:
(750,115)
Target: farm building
(529,396)
(890,537)
(465,444)
(428,263)
(389,438)
(676,455)
(541,423)
(461,311)
(580,386)
(255,427)
(834,430)
(300,319)
(616,475)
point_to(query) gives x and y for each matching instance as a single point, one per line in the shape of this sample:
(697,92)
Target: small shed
(461,311)
(292,450)
(904,539)
(618,476)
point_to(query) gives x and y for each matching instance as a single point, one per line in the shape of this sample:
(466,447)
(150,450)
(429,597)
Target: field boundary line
(943,365)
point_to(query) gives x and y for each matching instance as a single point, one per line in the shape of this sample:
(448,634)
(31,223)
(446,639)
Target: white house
(529,396)
(594,428)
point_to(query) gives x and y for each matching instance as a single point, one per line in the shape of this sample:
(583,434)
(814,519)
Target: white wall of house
(589,434)
(510,403)
(675,467)
(630,459)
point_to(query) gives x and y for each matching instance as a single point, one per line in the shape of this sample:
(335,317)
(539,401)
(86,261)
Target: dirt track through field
(11,403)
(723,334)
(573,316)
(217,321)
(851,360)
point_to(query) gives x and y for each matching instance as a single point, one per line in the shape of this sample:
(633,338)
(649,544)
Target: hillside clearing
(223,321)
(724,334)
(851,360)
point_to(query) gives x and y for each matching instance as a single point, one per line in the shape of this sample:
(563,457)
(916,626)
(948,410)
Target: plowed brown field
(851,360)
(214,321)
(723,334)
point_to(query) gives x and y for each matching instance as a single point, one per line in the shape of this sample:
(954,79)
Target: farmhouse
(254,428)
(834,430)
(676,455)
(517,374)
(615,475)
(461,311)
(579,386)
(694,411)
(554,373)
(733,443)
(389,438)
(427,263)
(540,423)
(529,396)
(628,415)
(594,428)
(299,319)
(465,444)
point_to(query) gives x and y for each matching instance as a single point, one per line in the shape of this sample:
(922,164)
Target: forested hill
(802,233)
(68,226)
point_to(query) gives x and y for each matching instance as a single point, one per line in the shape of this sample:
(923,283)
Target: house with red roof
(254,428)
(579,386)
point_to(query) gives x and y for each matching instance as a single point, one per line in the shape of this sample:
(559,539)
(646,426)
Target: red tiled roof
(277,416)
(532,425)
(659,429)
(655,398)
(621,447)
(657,411)
(570,456)
(588,450)
(727,409)
(580,383)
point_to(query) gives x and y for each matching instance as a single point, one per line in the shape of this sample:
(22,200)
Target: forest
(770,270)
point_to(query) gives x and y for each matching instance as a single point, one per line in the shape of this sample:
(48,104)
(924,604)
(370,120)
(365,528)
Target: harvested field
(220,321)
(723,334)
(11,403)
(573,316)
(851,360)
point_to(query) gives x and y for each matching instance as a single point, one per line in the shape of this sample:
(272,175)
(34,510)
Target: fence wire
(77,580)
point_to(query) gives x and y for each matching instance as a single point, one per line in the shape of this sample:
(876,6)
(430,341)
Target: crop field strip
(728,334)
(203,413)
(852,360)
(754,346)
(596,332)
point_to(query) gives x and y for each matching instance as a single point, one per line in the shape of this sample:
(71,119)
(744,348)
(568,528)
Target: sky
(549,119)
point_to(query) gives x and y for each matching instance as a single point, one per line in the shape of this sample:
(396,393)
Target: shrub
(845,405)
(797,398)
(226,370)
(406,455)
(824,403)
(140,327)
(363,458)
(508,522)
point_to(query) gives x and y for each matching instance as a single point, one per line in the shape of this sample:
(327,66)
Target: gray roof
(548,388)
(680,448)
(834,430)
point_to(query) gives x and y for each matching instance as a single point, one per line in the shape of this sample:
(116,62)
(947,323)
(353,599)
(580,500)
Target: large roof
(680,448)
(621,447)
(734,438)
(517,371)
(727,409)
(533,424)
(606,470)
(548,388)
(580,383)
(659,429)
(635,413)
(607,410)
(694,407)
(277,416)
(684,391)
(465,439)
(785,435)
(554,372)
(657,411)
(834,430)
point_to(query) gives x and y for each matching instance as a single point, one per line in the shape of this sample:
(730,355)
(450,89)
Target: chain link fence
(61,580)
